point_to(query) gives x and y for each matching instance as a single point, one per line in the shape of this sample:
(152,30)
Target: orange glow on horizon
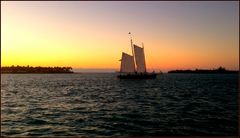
(83,38)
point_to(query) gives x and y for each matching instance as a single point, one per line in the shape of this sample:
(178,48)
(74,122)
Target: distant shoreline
(220,70)
(57,73)
(36,73)
(35,70)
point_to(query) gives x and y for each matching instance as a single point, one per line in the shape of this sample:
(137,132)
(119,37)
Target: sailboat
(134,66)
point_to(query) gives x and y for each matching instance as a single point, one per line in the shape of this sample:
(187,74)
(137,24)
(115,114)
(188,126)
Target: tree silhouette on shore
(38,69)
(219,70)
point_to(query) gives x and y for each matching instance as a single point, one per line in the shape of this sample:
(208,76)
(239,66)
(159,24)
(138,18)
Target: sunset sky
(176,35)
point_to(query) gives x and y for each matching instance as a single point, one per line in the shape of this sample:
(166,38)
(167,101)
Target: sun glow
(88,36)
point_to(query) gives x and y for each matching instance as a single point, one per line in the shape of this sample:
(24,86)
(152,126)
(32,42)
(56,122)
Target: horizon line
(109,70)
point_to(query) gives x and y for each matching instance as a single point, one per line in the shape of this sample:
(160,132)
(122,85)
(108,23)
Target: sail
(127,63)
(140,59)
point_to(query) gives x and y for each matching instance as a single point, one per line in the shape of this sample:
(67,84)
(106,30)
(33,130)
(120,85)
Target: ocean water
(98,104)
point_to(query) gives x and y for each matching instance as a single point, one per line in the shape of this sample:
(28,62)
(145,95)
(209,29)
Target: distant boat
(134,66)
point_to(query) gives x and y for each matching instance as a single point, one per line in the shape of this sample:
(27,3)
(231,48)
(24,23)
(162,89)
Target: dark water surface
(102,105)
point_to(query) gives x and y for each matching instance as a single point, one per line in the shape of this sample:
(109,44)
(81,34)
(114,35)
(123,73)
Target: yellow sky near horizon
(93,34)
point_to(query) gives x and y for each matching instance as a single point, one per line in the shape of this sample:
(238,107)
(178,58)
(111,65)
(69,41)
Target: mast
(132,52)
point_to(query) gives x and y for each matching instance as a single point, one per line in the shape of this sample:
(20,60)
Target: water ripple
(102,105)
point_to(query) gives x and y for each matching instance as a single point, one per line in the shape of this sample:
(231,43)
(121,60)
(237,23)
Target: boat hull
(138,76)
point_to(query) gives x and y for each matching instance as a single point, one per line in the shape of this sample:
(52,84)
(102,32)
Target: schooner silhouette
(134,66)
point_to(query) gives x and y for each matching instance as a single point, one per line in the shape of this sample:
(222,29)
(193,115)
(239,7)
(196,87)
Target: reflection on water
(102,105)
